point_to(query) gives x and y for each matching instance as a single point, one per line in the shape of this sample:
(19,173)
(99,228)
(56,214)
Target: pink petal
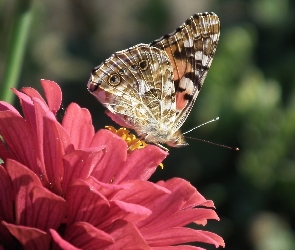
(56,144)
(207,203)
(27,107)
(53,151)
(6,238)
(204,215)
(79,165)
(115,154)
(40,111)
(141,192)
(189,193)
(29,238)
(120,210)
(64,138)
(175,236)
(126,236)
(171,210)
(78,123)
(4,152)
(162,208)
(6,206)
(178,247)
(6,197)
(86,236)
(23,180)
(86,204)
(6,106)
(48,209)
(20,141)
(129,211)
(107,189)
(62,244)
(53,95)
(33,93)
(141,164)
(186,216)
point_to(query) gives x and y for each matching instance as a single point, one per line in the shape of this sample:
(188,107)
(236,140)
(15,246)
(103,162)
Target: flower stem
(16,48)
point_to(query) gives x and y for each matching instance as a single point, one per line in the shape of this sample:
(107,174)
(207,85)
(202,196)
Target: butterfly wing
(190,49)
(136,86)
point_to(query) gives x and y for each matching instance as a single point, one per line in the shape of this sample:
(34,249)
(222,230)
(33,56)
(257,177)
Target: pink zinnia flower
(63,186)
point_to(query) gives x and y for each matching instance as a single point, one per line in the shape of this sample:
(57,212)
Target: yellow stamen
(131,140)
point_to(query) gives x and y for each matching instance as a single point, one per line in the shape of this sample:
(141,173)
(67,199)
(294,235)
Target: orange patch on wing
(180,67)
(180,101)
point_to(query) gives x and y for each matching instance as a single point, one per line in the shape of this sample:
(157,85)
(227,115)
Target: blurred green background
(250,86)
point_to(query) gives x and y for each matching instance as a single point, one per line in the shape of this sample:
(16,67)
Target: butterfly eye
(114,80)
(143,64)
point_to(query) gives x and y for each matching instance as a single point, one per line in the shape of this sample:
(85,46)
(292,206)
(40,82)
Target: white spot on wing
(142,87)
(215,37)
(188,43)
(205,59)
(198,55)
(156,66)
(187,84)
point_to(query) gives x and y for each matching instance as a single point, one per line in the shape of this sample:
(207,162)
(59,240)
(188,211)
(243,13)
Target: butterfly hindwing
(136,84)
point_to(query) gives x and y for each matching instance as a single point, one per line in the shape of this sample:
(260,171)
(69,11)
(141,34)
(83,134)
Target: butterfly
(151,88)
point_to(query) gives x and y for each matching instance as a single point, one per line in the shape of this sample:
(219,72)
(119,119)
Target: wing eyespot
(143,64)
(114,79)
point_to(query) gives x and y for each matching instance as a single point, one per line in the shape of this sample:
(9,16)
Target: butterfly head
(177,140)
(174,140)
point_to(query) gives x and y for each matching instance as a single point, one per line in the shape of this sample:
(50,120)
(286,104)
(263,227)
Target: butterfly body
(151,88)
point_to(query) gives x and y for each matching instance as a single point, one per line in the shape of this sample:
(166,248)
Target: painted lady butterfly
(151,88)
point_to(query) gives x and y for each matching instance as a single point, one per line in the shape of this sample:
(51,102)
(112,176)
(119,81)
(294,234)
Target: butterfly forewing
(190,49)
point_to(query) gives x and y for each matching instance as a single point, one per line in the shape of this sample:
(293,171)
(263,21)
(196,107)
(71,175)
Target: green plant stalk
(16,49)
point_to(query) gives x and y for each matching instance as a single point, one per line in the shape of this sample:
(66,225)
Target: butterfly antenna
(213,120)
(213,143)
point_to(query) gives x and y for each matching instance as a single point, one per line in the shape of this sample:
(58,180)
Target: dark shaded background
(250,86)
